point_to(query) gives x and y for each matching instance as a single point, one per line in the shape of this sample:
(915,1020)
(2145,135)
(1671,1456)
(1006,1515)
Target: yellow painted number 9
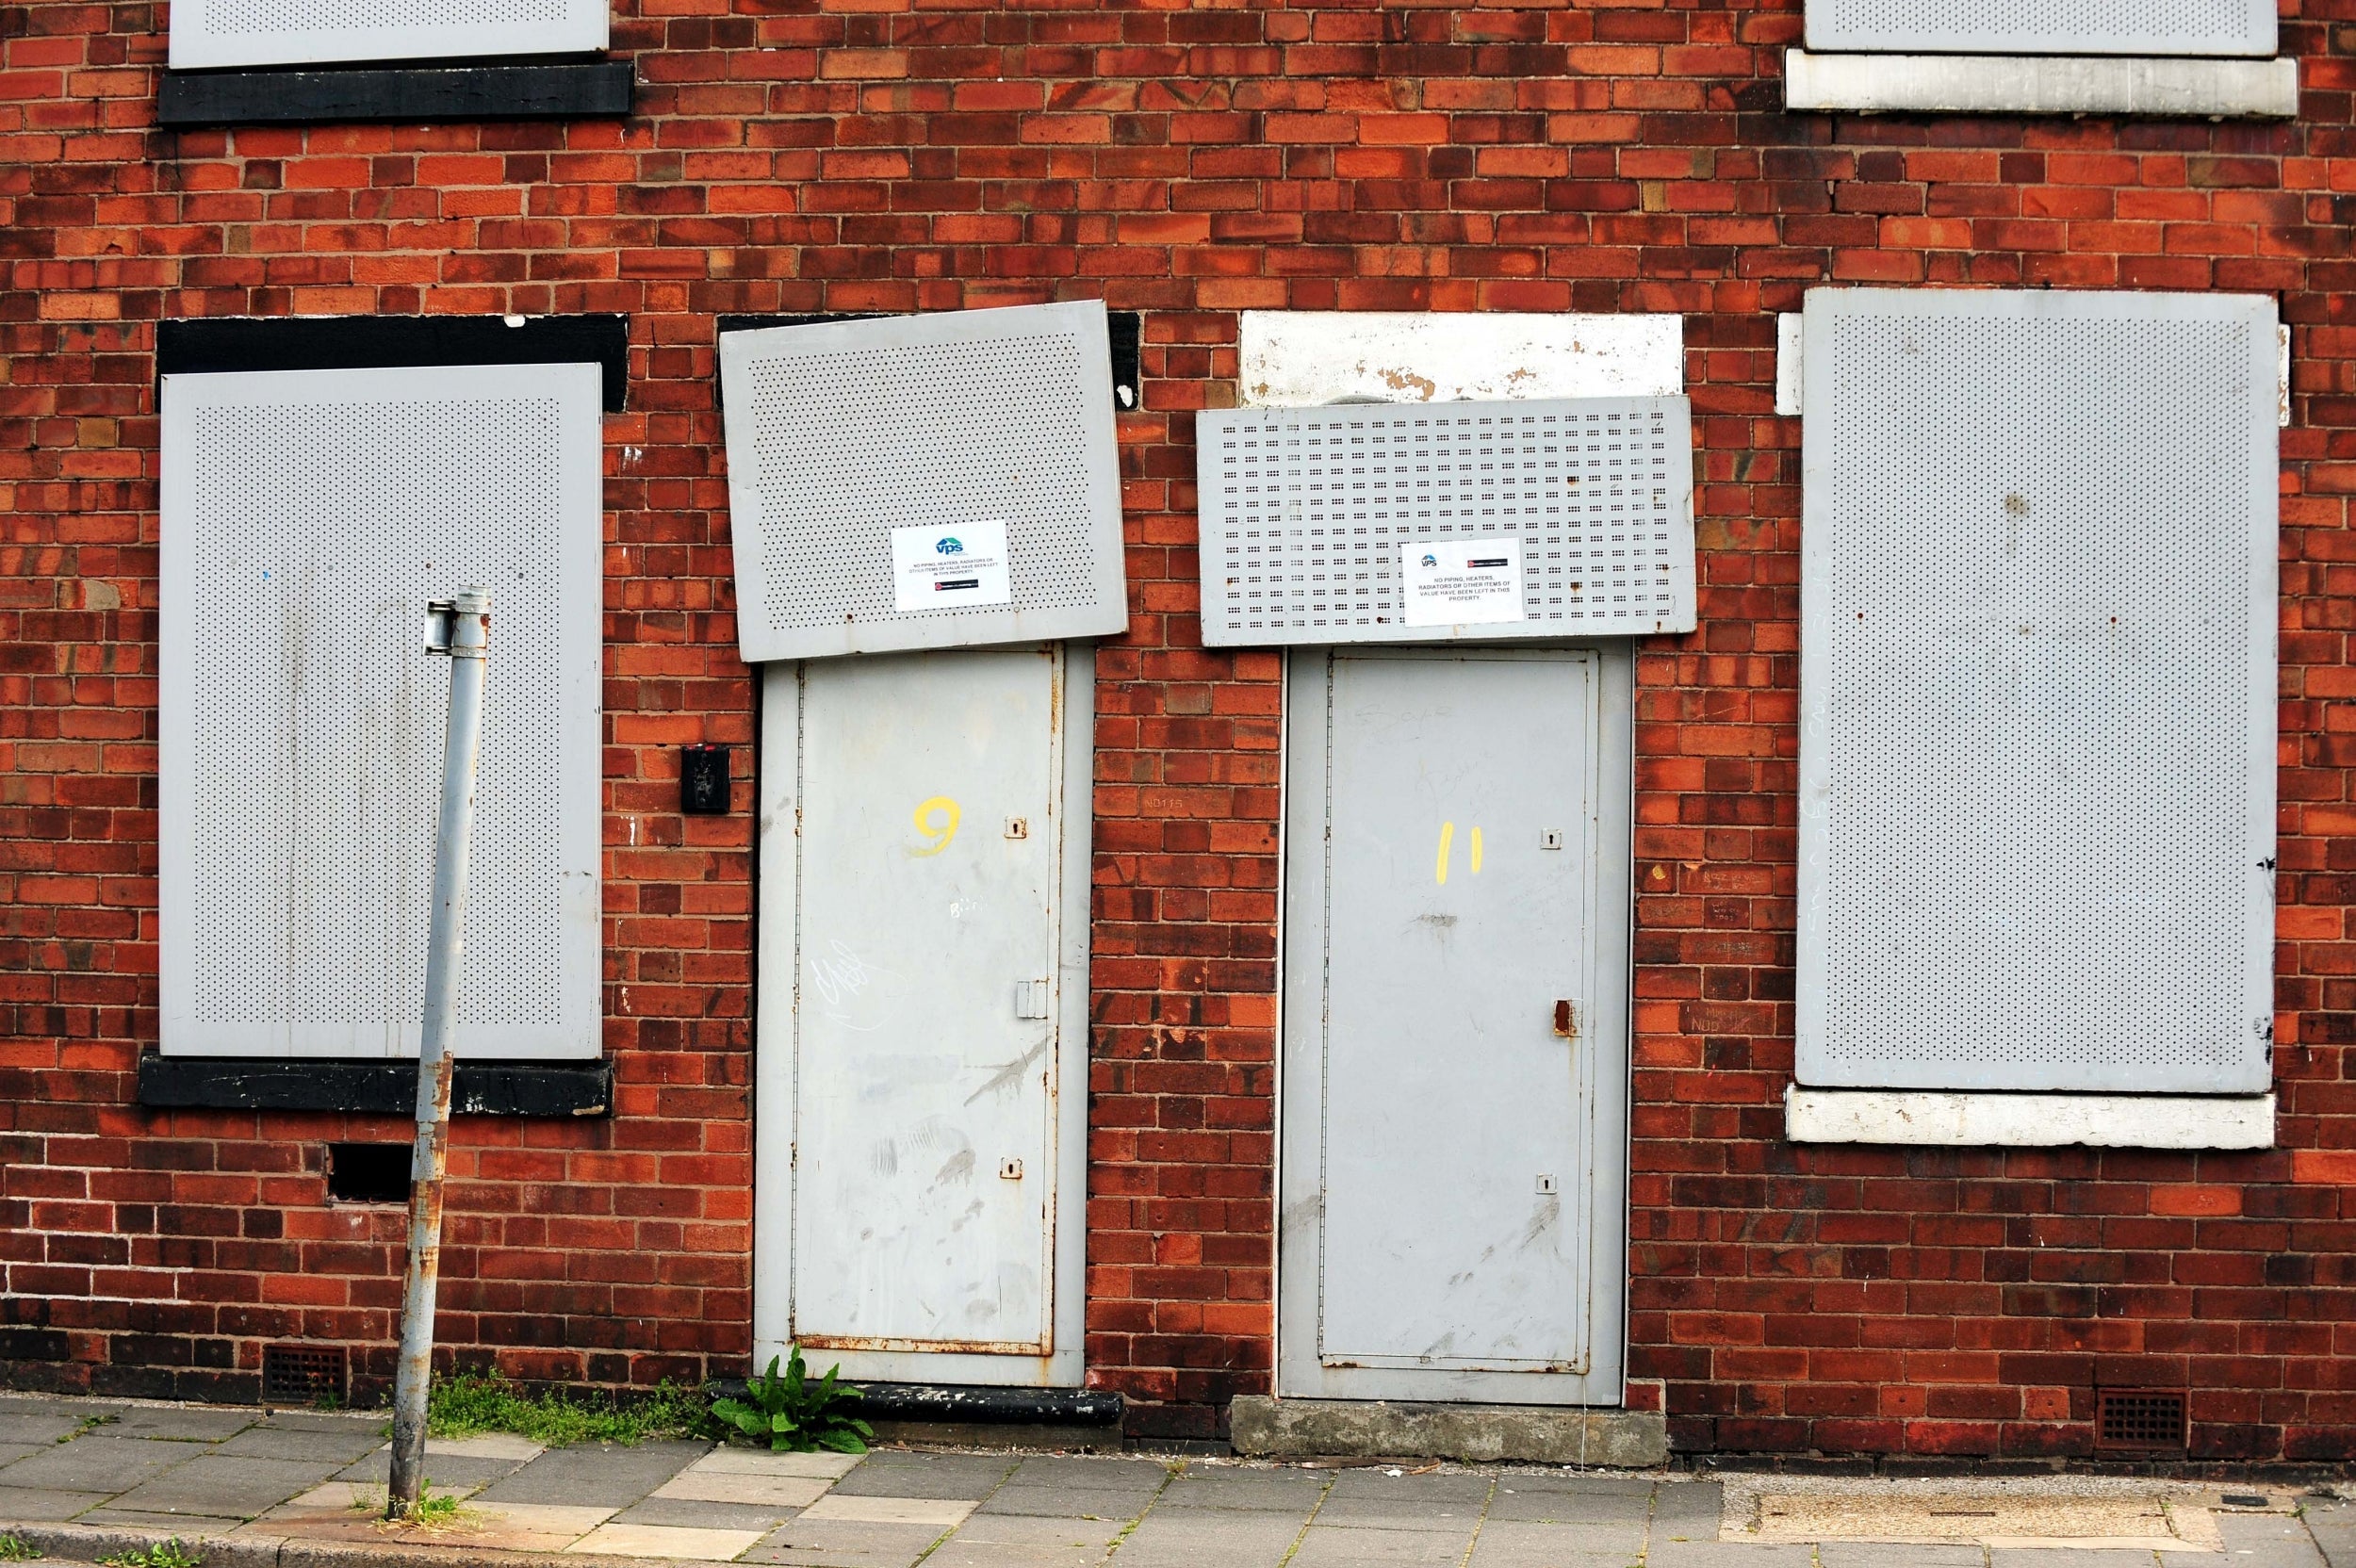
(937,820)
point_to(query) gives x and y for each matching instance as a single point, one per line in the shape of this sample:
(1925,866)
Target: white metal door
(922,842)
(1456,1022)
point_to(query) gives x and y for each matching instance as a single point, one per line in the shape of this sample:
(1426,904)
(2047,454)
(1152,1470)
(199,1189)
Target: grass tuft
(14,1550)
(164,1554)
(472,1402)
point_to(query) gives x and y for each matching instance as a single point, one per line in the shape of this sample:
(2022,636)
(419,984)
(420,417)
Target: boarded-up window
(924,481)
(2043,26)
(210,33)
(308,516)
(2037,659)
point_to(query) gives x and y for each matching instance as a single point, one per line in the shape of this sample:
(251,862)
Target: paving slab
(2263,1541)
(353,1512)
(1039,1532)
(1379,1499)
(605,1476)
(34,1424)
(1515,1543)
(1093,1473)
(965,1478)
(1688,1509)
(150,1519)
(1883,1553)
(455,1471)
(45,1505)
(1060,1502)
(659,1509)
(694,1485)
(2332,1524)
(339,1444)
(2081,1557)
(1326,1547)
(513,1446)
(870,1509)
(100,1462)
(1293,1492)
(846,1544)
(1516,1497)
(1707,1552)
(1229,1538)
(182,1424)
(762,1461)
(670,1540)
(225,1485)
(11,1452)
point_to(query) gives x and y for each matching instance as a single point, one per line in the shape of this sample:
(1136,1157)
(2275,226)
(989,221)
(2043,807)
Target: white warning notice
(1463,581)
(945,568)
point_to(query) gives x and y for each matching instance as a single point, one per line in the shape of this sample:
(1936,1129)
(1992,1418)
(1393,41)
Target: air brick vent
(2139,1420)
(303,1374)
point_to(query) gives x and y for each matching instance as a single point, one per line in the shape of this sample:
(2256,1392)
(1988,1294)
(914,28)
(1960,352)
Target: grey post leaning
(463,632)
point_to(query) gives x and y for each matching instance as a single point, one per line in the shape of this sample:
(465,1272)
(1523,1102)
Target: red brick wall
(1187,163)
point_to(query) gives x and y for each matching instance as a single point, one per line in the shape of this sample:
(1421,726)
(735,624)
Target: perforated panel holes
(303,16)
(1311,505)
(2139,1420)
(853,443)
(2040,670)
(2034,23)
(334,523)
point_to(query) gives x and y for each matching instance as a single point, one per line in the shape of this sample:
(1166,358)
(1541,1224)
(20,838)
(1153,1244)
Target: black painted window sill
(560,89)
(388,1087)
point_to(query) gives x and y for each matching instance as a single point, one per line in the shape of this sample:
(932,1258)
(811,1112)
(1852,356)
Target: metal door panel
(1456,864)
(917,985)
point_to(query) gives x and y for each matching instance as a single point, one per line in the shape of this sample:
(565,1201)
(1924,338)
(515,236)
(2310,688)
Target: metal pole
(463,632)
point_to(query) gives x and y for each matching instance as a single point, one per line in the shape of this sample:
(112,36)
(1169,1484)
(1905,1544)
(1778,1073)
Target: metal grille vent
(839,432)
(210,33)
(2037,684)
(2139,1420)
(1303,512)
(303,1374)
(2044,27)
(308,516)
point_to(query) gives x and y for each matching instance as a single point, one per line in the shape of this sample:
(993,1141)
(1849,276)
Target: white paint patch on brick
(2029,1121)
(1306,359)
(1788,362)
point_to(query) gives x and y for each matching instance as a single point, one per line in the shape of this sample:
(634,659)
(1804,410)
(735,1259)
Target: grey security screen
(211,33)
(980,441)
(307,517)
(2037,681)
(2043,26)
(1307,514)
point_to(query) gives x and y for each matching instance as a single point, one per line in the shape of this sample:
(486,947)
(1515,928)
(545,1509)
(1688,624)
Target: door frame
(1604,1072)
(775,1046)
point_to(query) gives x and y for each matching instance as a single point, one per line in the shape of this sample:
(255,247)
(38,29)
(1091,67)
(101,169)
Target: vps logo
(950,545)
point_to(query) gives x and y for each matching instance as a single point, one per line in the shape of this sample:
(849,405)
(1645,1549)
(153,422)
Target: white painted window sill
(2028,1121)
(2010,84)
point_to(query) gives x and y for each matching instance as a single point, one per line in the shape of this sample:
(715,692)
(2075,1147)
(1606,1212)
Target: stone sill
(2028,1121)
(2005,84)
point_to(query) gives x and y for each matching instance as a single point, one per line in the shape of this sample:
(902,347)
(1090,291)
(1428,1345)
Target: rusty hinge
(1565,1021)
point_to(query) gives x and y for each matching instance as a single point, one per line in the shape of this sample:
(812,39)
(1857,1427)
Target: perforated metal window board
(1303,512)
(308,515)
(2155,27)
(2037,681)
(210,34)
(839,432)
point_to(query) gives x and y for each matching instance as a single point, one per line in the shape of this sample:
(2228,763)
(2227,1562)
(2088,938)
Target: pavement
(86,1479)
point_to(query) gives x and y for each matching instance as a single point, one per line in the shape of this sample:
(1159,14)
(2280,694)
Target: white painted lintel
(2068,84)
(2028,1121)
